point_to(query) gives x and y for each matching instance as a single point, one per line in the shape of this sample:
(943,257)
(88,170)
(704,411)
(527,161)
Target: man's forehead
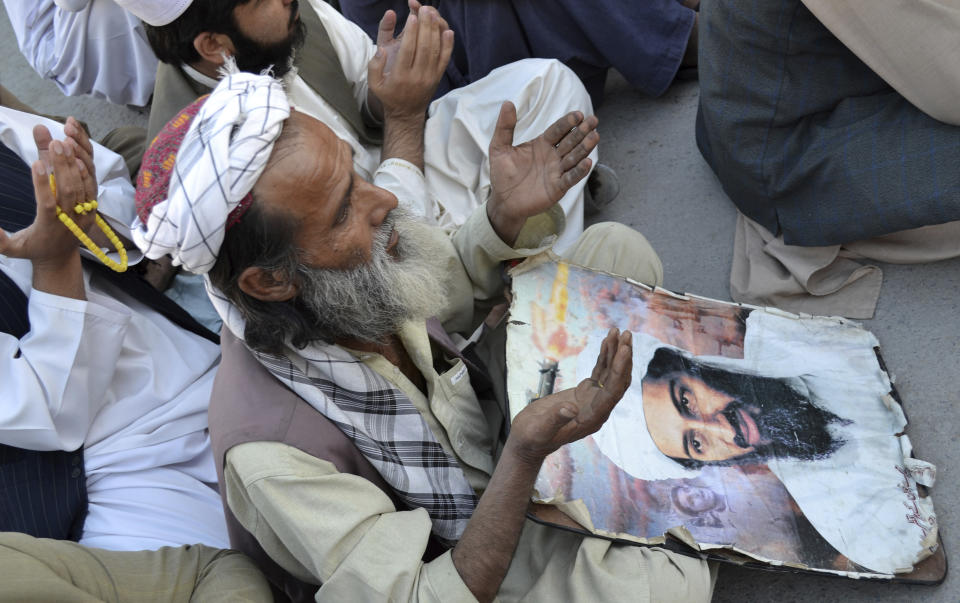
(303,142)
(248,5)
(306,155)
(304,126)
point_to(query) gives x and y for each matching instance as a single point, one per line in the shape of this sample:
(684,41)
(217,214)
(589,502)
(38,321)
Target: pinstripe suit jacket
(43,494)
(806,139)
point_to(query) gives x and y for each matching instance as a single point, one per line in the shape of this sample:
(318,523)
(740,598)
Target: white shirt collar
(195,75)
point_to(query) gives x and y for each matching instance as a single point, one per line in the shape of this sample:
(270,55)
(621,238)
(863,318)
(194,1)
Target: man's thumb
(563,414)
(506,122)
(376,65)
(10,245)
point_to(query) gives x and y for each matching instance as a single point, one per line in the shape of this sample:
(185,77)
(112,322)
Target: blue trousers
(642,39)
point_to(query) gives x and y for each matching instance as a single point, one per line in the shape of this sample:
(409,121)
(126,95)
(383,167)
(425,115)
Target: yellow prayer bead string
(81,209)
(86,207)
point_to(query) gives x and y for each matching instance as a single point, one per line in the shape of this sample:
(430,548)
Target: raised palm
(71,162)
(569,415)
(529,178)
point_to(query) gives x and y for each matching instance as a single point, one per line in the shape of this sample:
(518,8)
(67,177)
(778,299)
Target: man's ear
(212,47)
(267,285)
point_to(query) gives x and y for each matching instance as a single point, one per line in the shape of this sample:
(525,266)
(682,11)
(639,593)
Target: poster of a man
(730,392)
(698,414)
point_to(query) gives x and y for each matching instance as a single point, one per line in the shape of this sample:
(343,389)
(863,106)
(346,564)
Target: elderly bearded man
(373,96)
(361,477)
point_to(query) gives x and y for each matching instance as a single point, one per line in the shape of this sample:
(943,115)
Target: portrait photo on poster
(745,429)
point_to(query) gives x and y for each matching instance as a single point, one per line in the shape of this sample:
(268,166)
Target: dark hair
(786,412)
(173,43)
(263,238)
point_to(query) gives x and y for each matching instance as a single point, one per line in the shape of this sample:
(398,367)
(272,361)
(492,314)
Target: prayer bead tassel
(81,209)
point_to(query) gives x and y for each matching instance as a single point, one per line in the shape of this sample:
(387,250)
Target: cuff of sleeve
(55,302)
(406,181)
(111,313)
(542,230)
(443,580)
(72,6)
(368,117)
(538,234)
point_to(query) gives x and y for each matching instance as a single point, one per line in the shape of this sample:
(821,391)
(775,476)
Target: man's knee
(676,577)
(129,142)
(8,99)
(53,570)
(228,575)
(618,249)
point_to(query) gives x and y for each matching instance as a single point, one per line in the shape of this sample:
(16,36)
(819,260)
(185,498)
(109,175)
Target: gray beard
(374,300)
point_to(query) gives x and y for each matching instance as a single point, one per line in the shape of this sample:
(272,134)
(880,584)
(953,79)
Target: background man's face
(688,419)
(266,33)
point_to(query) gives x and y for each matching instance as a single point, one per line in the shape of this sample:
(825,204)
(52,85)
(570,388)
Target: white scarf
(222,155)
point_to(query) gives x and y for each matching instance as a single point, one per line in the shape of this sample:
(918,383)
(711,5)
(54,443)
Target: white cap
(156,12)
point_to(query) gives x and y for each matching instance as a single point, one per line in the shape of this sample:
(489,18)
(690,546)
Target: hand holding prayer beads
(68,166)
(79,143)
(46,242)
(83,209)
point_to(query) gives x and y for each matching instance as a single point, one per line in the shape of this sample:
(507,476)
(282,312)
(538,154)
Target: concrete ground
(670,195)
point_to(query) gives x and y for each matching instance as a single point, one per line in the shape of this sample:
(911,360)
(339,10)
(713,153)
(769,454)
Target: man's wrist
(374,106)
(59,263)
(62,276)
(403,137)
(405,119)
(506,225)
(524,458)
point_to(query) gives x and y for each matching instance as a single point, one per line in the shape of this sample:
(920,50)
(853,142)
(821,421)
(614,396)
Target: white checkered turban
(221,157)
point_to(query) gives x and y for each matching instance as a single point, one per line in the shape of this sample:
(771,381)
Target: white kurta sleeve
(86,47)
(481,250)
(72,5)
(406,181)
(354,48)
(55,378)
(469,260)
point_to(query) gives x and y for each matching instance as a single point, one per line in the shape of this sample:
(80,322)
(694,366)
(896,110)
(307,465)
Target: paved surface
(670,195)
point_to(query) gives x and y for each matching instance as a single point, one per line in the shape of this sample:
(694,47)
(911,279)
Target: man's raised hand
(406,69)
(552,421)
(486,549)
(529,178)
(47,243)
(47,240)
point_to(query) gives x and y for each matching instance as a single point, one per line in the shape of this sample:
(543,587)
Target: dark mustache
(730,412)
